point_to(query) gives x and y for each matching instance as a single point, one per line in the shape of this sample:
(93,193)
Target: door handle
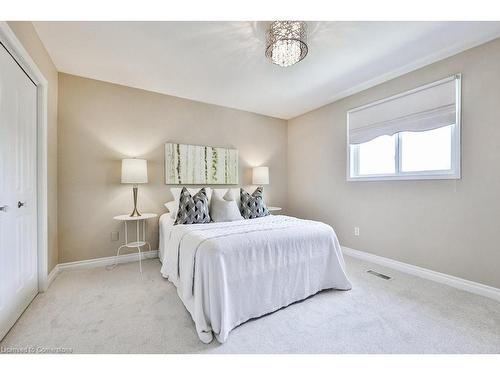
(3,208)
(20,204)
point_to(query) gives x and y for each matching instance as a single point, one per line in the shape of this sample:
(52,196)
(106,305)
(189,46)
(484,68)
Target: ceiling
(223,63)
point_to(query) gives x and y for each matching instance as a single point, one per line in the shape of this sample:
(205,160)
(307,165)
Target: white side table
(138,243)
(273,209)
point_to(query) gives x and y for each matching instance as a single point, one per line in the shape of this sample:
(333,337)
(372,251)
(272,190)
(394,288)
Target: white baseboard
(51,277)
(97,262)
(453,281)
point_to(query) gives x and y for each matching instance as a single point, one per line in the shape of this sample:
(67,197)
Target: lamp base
(135,212)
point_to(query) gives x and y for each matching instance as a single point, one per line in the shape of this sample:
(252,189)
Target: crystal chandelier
(286,42)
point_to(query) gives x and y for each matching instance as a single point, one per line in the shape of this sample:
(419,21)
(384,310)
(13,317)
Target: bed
(227,273)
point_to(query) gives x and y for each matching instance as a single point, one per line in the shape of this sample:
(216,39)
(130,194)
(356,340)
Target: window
(414,135)
(426,151)
(376,157)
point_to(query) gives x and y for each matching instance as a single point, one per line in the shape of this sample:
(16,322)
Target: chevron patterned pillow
(253,206)
(193,209)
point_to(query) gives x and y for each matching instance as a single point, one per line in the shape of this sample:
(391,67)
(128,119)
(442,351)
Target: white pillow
(172,207)
(224,209)
(234,191)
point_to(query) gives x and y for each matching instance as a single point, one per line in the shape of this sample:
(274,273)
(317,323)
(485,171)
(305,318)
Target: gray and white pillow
(193,209)
(253,206)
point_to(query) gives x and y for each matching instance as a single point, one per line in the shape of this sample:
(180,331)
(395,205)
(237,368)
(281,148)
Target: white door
(18,217)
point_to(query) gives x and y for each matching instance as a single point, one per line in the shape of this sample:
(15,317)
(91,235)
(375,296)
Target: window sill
(409,177)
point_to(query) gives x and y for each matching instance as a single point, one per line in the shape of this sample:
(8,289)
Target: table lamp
(260,176)
(134,171)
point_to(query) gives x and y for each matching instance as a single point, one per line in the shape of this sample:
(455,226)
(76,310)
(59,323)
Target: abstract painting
(189,164)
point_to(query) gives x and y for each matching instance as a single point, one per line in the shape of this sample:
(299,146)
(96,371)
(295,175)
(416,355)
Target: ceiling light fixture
(286,42)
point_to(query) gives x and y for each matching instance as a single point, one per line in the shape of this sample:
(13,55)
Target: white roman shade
(425,108)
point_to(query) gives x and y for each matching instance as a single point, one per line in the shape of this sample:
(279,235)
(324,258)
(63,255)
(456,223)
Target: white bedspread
(228,273)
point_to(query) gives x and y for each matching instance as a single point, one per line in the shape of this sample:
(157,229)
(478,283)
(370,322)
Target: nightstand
(138,243)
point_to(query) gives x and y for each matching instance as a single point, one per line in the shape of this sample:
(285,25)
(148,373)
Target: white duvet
(228,273)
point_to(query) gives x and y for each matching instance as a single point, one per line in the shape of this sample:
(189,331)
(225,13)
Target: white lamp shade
(134,171)
(260,176)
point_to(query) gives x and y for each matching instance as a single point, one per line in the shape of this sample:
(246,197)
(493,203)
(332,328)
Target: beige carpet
(120,311)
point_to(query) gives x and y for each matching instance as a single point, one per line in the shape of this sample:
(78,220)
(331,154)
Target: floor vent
(382,276)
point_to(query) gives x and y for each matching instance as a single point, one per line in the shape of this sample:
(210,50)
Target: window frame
(453,174)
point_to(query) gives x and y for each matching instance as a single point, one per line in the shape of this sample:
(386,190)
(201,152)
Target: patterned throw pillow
(193,209)
(253,206)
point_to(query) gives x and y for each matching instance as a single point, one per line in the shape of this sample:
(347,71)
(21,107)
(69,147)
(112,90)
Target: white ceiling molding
(223,63)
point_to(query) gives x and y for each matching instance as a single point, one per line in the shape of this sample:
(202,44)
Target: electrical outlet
(115,236)
(356,231)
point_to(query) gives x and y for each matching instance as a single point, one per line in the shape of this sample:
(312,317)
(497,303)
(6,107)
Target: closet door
(18,200)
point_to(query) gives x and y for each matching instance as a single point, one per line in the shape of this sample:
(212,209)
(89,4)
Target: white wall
(447,226)
(101,123)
